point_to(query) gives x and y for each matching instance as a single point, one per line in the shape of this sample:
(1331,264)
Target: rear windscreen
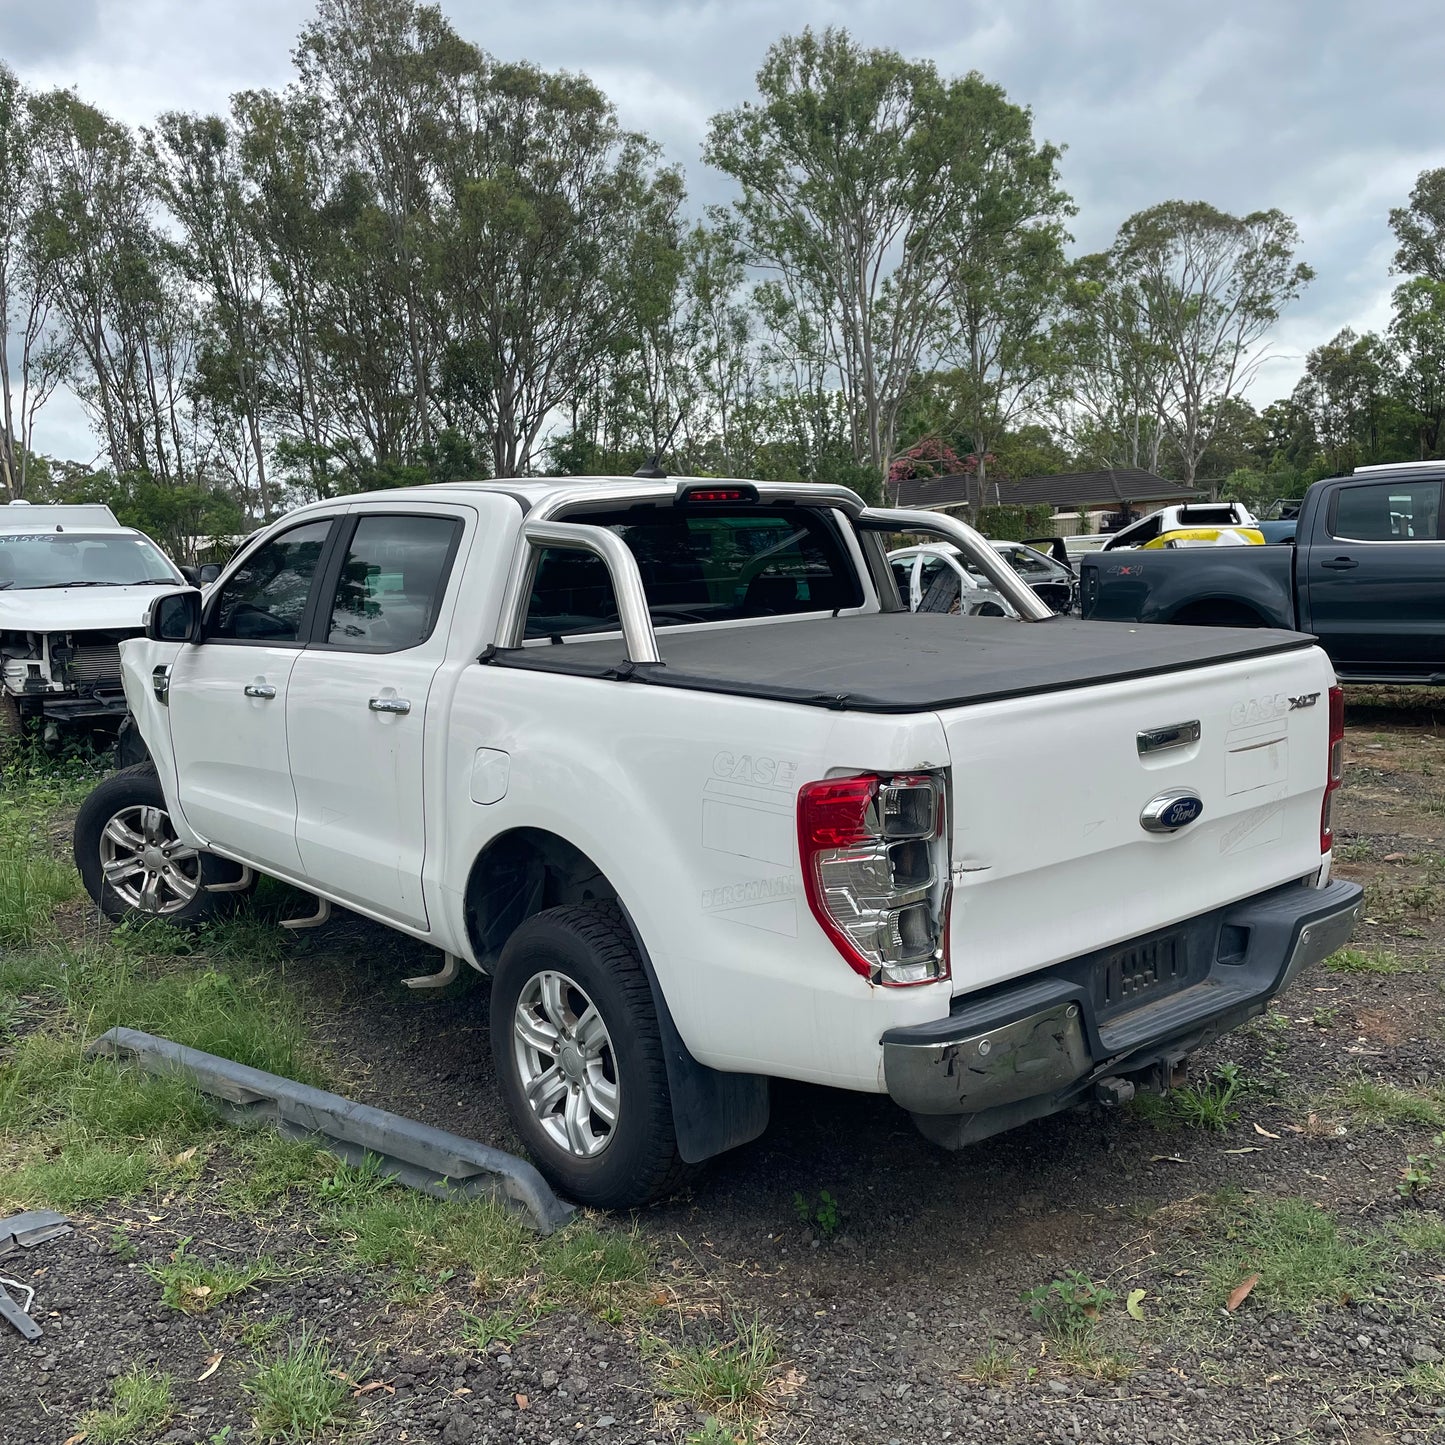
(712,565)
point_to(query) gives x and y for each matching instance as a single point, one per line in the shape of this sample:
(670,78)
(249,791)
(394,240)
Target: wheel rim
(567,1064)
(145,865)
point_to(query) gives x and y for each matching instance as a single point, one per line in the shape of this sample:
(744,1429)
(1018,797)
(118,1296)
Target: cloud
(1327,109)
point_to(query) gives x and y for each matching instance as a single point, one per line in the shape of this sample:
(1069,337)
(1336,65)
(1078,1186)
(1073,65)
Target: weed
(355,1185)
(1299,1254)
(258,1333)
(1385,1104)
(1418,1175)
(122,1246)
(1422,1233)
(300,1392)
(1427,1380)
(714,1432)
(1357,850)
(1325,1018)
(823,1218)
(1208,1104)
(1068,1307)
(272,1167)
(503,1326)
(728,1375)
(194,1286)
(1367,960)
(995,1366)
(141,1407)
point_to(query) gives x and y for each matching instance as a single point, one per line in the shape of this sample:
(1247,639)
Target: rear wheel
(131,860)
(579,1057)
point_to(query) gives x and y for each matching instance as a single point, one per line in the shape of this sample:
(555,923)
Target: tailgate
(1050,858)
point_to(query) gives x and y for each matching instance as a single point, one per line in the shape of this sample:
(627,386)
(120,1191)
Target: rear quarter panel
(1142,586)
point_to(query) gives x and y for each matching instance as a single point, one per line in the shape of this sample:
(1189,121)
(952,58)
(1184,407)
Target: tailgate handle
(1176,735)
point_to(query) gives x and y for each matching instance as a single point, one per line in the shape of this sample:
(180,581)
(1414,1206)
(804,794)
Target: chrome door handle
(259,689)
(389,704)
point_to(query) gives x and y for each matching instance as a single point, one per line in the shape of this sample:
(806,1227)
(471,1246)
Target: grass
(271,1168)
(1300,1255)
(193,1285)
(1427,1380)
(503,1326)
(33,880)
(300,1393)
(140,1408)
(730,1375)
(1385,1104)
(1208,1104)
(995,1366)
(1368,960)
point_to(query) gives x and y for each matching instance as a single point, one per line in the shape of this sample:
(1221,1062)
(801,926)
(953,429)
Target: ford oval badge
(1170,812)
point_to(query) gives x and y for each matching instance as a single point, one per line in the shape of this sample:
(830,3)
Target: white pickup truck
(674,765)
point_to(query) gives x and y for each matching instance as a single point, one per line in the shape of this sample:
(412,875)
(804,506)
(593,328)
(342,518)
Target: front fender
(139,659)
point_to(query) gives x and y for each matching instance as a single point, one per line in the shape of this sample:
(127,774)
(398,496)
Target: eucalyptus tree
(1212,286)
(34,358)
(1420,228)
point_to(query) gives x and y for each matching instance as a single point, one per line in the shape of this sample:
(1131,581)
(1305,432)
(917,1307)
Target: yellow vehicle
(1207,537)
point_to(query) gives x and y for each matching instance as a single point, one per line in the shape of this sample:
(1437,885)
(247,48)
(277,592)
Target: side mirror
(207,573)
(175,617)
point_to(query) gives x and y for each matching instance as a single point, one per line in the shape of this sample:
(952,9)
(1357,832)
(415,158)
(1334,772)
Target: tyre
(131,861)
(579,1057)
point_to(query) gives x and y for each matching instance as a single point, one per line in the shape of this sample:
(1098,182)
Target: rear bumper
(1035,1046)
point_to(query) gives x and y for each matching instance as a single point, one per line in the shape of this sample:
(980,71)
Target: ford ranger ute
(1365,575)
(672,762)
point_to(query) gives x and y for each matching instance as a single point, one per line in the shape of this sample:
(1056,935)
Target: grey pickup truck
(1365,575)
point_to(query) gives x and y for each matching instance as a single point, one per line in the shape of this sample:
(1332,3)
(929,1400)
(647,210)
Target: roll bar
(627,587)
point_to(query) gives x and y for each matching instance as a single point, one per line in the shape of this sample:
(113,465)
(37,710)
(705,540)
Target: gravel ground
(905,1322)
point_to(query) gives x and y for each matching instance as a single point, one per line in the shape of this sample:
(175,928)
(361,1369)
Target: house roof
(1066,490)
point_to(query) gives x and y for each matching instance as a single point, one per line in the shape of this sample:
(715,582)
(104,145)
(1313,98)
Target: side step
(416,1154)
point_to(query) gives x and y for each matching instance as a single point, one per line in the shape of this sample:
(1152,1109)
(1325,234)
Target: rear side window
(1388,512)
(264,599)
(712,566)
(391,582)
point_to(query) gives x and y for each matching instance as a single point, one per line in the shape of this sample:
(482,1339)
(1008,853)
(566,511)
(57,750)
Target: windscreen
(80,559)
(700,565)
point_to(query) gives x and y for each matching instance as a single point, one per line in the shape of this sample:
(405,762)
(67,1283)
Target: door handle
(389,704)
(1340,564)
(259,689)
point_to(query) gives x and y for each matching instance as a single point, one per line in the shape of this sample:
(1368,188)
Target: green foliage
(1386,1104)
(1069,1307)
(300,1393)
(1417,1178)
(141,1408)
(824,1218)
(1300,1255)
(194,1285)
(728,1373)
(1208,1104)
(1367,960)
(1014,524)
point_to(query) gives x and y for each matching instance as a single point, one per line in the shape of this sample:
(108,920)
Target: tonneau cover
(905,662)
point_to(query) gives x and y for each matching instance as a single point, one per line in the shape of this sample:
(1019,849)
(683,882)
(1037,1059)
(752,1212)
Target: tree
(1420,228)
(1212,285)
(27,292)
(547,201)
(200,175)
(847,165)
(1114,407)
(1418,332)
(1004,250)
(1346,389)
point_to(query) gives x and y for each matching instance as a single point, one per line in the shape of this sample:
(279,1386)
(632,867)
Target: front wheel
(131,860)
(579,1057)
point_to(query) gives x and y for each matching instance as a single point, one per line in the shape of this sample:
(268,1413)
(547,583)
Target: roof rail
(1436,466)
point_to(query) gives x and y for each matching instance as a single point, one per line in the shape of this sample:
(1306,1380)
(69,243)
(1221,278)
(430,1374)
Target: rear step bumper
(1031,1048)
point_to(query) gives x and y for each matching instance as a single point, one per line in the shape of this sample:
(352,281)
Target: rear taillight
(874,854)
(1336,767)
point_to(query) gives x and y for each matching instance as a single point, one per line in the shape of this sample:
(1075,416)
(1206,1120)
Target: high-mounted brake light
(719,494)
(1336,772)
(874,854)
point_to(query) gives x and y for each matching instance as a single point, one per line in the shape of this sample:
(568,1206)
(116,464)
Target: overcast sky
(1327,109)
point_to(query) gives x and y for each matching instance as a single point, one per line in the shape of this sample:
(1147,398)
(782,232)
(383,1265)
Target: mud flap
(415,1154)
(711,1111)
